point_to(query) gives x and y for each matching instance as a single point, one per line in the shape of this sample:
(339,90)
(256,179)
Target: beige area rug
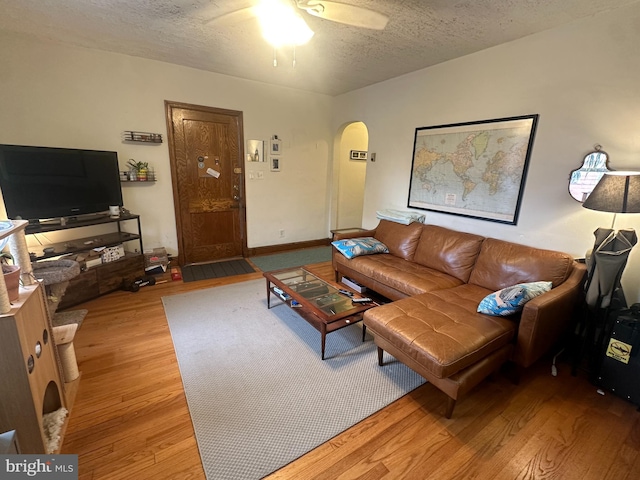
(258,393)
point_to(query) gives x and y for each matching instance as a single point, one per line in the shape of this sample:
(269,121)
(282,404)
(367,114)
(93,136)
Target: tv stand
(89,217)
(63,221)
(100,279)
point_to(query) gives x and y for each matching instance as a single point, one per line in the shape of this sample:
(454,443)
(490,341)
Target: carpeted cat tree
(55,275)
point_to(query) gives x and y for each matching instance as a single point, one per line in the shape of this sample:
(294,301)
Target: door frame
(337,171)
(169,107)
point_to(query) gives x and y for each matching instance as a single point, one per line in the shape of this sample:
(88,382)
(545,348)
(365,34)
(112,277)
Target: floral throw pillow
(354,247)
(512,299)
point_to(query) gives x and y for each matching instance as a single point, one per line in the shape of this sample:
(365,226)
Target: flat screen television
(42,183)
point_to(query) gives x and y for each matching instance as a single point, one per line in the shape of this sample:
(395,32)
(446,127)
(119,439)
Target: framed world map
(473,169)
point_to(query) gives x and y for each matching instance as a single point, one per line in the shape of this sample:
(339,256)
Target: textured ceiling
(339,58)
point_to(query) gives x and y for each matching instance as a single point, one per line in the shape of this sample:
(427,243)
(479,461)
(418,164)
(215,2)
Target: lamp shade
(616,192)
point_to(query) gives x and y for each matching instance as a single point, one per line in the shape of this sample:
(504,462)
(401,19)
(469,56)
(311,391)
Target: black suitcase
(620,362)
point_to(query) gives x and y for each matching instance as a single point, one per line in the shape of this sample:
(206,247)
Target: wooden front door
(206,152)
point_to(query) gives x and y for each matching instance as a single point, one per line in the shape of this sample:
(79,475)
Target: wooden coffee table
(318,301)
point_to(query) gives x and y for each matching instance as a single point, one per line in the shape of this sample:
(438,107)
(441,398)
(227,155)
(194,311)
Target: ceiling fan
(327,10)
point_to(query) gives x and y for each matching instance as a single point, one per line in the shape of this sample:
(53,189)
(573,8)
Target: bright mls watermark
(50,467)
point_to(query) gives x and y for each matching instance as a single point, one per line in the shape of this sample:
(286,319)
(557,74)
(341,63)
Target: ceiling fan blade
(343,13)
(233,17)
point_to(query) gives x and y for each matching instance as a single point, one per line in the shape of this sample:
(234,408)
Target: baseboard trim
(269,249)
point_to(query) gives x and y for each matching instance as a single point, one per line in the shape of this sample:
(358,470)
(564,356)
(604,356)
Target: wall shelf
(139,181)
(131,136)
(125,177)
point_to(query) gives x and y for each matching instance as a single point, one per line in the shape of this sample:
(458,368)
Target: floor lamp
(616,192)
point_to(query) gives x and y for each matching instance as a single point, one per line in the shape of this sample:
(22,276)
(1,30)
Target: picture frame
(276,146)
(275,164)
(358,155)
(255,151)
(472,169)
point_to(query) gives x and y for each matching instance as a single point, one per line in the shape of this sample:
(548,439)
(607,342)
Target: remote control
(346,292)
(361,300)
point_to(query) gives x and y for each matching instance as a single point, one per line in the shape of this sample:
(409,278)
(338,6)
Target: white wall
(583,81)
(60,96)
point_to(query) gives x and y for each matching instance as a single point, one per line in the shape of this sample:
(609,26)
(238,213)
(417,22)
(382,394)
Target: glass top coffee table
(316,300)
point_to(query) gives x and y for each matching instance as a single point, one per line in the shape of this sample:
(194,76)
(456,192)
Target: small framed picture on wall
(358,155)
(275,164)
(255,151)
(276,146)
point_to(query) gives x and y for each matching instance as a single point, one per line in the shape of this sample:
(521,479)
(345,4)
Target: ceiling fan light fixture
(281,25)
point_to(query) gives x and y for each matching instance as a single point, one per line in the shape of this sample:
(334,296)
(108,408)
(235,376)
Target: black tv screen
(42,182)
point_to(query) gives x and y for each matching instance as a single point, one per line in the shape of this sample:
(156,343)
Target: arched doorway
(351,175)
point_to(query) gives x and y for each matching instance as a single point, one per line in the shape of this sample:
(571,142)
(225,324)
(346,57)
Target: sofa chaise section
(442,337)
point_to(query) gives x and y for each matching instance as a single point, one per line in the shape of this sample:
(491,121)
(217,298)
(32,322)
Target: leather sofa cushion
(448,251)
(407,277)
(441,330)
(501,264)
(401,240)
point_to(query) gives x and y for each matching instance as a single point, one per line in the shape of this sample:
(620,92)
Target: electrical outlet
(281,233)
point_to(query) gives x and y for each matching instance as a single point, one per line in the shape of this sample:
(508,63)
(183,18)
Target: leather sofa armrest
(546,318)
(354,234)
(342,236)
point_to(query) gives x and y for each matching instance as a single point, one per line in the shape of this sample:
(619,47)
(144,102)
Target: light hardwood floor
(131,420)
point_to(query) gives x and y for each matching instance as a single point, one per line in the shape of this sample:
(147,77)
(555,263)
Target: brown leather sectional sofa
(437,277)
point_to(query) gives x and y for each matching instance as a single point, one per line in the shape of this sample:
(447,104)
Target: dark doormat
(193,273)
